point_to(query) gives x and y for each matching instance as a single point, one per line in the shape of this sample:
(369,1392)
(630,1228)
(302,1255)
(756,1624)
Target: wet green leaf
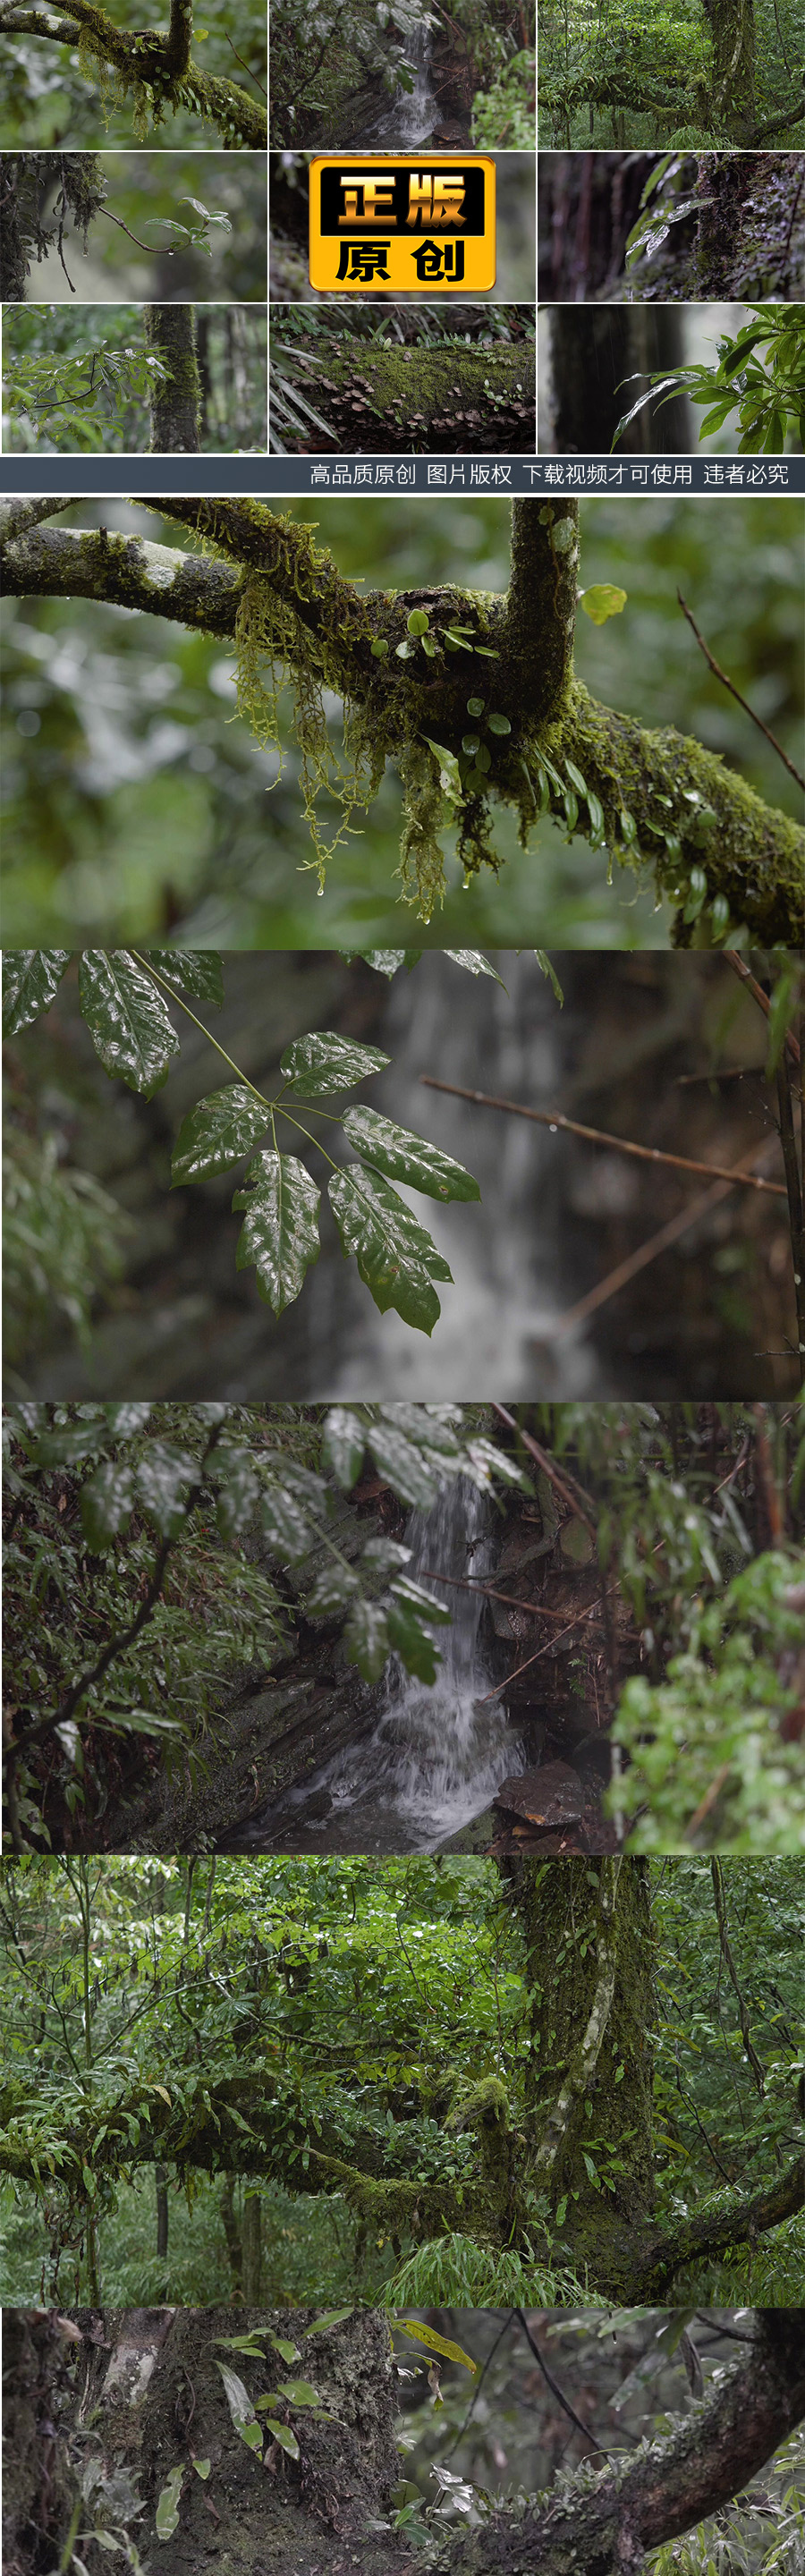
(343,1444)
(280,1234)
(319,1064)
(213,1135)
(404,1157)
(127,1018)
(167,2513)
(31,976)
(395,1255)
(198,971)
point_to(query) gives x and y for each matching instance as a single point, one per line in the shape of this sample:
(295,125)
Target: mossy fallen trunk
(470,399)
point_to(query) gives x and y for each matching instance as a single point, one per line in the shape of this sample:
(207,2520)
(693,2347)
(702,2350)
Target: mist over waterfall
(437,1752)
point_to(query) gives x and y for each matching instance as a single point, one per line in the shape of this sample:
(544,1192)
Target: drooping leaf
(221,1127)
(397,1458)
(192,970)
(436,2343)
(343,1444)
(239,1491)
(107,1501)
(403,1157)
(162,1479)
(474,963)
(31,976)
(395,1256)
(366,1641)
(280,1234)
(127,1018)
(282,2434)
(332,1591)
(167,2513)
(241,2408)
(287,1525)
(318,1064)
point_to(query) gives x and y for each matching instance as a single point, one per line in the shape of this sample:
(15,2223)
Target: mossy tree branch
(155,69)
(651,798)
(602,2526)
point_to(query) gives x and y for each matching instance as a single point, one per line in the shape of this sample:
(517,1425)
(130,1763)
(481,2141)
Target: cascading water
(437,1752)
(511,1282)
(410,118)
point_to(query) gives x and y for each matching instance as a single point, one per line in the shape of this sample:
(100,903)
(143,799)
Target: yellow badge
(410,227)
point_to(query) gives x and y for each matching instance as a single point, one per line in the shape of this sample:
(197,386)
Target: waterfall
(409,119)
(437,1752)
(511,1281)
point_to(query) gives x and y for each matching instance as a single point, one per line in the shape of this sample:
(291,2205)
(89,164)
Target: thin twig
(744,972)
(566,1486)
(598,1136)
(735,693)
(649,1251)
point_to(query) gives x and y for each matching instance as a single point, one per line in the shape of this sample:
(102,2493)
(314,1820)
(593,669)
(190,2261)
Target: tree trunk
(595,356)
(733,30)
(170,335)
(151,2398)
(592,2010)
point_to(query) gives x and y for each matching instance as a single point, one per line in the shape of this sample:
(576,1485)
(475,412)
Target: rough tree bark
(175,399)
(595,355)
(145,2386)
(654,798)
(26,229)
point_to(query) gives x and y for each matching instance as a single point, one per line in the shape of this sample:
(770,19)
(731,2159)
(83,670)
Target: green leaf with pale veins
(281,1233)
(31,976)
(403,1157)
(318,1064)
(192,970)
(343,1445)
(214,1134)
(127,1018)
(395,1256)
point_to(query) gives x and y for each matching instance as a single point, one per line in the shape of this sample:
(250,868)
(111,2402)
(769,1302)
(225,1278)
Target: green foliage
(77,380)
(769,398)
(63,1241)
(157,837)
(646,76)
(71,396)
(97,1490)
(51,89)
(503,115)
(707,1762)
(453,2271)
(124,999)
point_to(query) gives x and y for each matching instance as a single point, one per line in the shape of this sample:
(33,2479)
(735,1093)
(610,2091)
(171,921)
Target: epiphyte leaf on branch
(404,1157)
(127,1018)
(280,1233)
(603,600)
(221,1127)
(395,1256)
(318,1064)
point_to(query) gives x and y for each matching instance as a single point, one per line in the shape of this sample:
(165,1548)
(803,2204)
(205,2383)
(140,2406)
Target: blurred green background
(135,806)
